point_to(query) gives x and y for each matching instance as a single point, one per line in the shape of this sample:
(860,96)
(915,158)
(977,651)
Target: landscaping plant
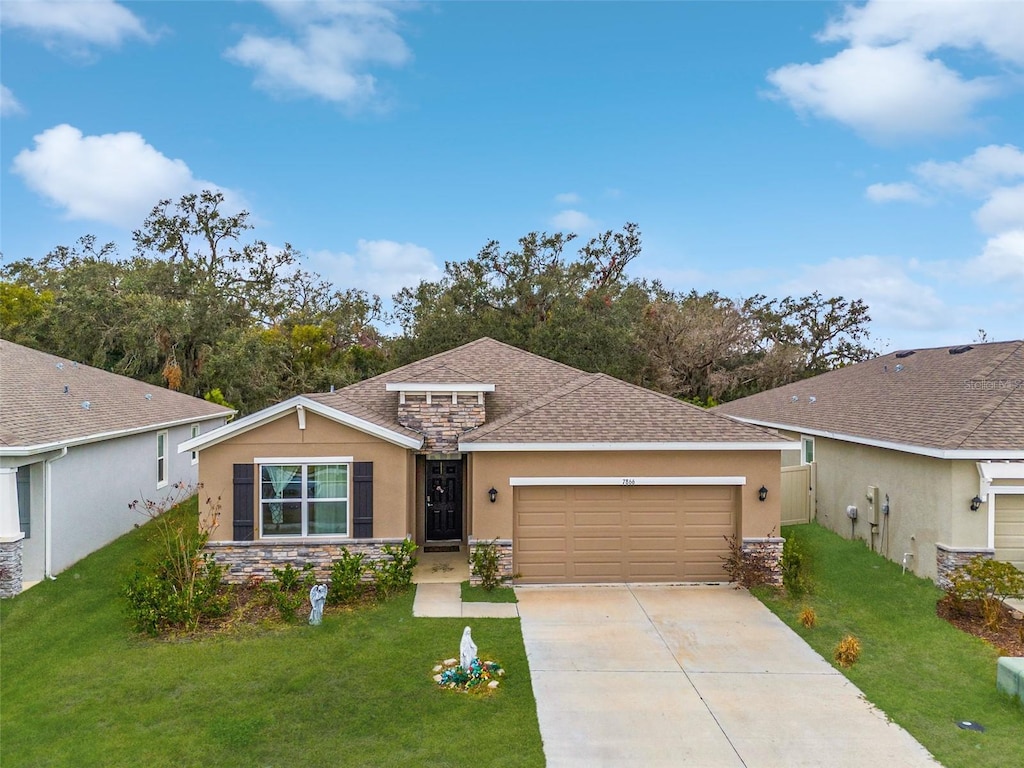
(808,617)
(749,569)
(988,581)
(393,573)
(181,585)
(485,564)
(847,651)
(796,578)
(347,578)
(290,589)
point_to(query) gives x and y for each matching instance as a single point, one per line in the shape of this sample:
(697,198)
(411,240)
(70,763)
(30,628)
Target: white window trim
(804,439)
(194,431)
(305,463)
(163,460)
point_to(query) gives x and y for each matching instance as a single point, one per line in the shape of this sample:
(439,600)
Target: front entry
(443,500)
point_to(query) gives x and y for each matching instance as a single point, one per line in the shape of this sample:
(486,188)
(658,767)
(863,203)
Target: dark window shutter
(243,503)
(362,506)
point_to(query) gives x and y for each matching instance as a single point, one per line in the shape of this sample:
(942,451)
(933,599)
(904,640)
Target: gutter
(48,514)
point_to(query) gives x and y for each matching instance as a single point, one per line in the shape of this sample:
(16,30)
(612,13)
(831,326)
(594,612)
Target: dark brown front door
(444,500)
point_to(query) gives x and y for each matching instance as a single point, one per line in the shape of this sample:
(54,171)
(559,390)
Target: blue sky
(872,150)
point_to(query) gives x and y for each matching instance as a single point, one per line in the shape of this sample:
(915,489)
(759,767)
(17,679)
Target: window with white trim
(161,459)
(193,435)
(304,499)
(806,449)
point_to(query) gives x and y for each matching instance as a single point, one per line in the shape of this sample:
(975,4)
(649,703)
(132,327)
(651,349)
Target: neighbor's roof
(538,401)
(951,402)
(42,396)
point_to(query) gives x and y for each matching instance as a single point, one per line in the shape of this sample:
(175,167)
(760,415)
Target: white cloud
(1003,210)
(1002,259)
(8,104)
(904,191)
(895,300)
(979,172)
(382,267)
(568,198)
(64,23)
(115,177)
(892,92)
(895,78)
(328,53)
(573,220)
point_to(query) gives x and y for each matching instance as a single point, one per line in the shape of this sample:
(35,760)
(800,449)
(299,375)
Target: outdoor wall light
(493,494)
(762,493)
(975,503)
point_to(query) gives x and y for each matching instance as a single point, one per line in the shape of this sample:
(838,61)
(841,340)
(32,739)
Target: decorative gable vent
(441,412)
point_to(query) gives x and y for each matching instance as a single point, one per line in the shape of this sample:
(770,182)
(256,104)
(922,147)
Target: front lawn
(925,674)
(78,688)
(480,595)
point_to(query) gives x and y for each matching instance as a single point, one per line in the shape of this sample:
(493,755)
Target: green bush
(291,588)
(796,577)
(347,578)
(182,584)
(485,563)
(393,573)
(988,581)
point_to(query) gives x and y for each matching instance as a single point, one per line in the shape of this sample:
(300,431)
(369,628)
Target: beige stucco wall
(393,475)
(495,468)
(929,500)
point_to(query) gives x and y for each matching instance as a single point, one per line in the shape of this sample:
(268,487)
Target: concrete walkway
(692,676)
(443,601)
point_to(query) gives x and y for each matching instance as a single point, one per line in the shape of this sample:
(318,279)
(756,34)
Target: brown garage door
(1010,528)
(622,533)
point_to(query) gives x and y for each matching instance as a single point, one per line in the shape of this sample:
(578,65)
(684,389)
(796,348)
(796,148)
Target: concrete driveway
(637,675)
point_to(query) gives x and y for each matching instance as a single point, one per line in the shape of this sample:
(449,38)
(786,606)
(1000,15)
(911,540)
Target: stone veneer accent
(504,558)
(10,568)
(441,422)
(247,559)
(770,549)
(948,559)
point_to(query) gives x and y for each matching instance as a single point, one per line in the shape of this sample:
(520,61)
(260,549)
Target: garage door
(622,533)
(1010,528)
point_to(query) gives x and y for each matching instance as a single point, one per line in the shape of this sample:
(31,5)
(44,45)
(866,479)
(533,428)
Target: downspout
(48,514)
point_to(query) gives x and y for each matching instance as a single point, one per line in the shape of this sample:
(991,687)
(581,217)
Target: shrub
(847,651)
(290,589)
(486,564)
(809,618)
(749,569)
(346,578)
(182,585)
(988,581)
(796,578)
(393,573)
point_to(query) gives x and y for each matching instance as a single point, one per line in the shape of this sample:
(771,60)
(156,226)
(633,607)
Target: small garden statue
(467,650)
(317,596)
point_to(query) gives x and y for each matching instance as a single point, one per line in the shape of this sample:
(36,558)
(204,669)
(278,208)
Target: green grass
(481,595)
(922,672)
(78,688)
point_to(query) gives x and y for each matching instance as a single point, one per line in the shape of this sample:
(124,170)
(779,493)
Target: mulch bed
(968,617)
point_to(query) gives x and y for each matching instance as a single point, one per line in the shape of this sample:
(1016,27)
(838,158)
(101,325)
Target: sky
(871,150)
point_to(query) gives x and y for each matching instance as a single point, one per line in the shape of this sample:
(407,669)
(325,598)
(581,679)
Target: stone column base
(948,559)
(10,566)
(766,554)
(504,547)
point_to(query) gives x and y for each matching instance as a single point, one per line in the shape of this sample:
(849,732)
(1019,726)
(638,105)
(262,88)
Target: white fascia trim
(32,450)
(540,447)
(271,413)
(935,453)
(1000,470)
(303,460)
(522,481)
(438,387)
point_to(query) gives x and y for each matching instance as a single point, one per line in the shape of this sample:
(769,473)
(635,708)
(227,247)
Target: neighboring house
(579,477)
(77,445)
(926,444)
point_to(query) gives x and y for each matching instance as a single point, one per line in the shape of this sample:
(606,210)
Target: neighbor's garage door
(1010,528)
(622,533)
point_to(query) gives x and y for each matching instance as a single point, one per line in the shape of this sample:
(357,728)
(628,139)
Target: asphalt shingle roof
(536,400)
(36,410)
(970,400)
